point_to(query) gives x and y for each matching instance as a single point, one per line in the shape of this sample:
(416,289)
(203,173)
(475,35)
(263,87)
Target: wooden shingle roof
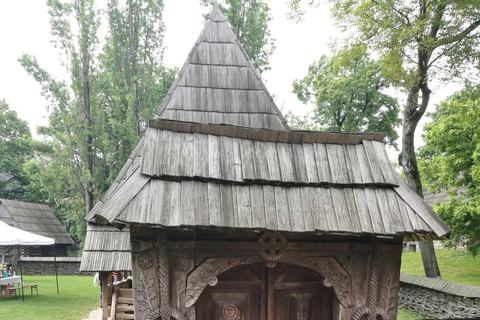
(193,179)
(35,218)
(218,84)
(233,162)
(106,249)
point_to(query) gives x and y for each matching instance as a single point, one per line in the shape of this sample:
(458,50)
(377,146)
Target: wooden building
(234,216)
(39,219)
(107,250)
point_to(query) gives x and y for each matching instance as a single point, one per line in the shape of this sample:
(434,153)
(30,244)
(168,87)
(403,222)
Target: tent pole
(21,273)
(55,262)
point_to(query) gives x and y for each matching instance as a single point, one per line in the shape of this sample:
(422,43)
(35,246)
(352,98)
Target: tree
(75,118)
(132,78)
(15,150)
(347,90)
(98,115)
(419,40)
(450,159)
(249,21)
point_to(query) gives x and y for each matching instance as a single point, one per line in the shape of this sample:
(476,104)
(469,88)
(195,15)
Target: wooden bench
(31,286)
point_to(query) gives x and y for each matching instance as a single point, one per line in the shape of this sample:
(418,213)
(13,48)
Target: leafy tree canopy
(249,20)
(15,149)
(419,40)
(347,91)
(450,159)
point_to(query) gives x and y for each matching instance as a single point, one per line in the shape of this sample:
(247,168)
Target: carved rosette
(272,246)
(230,312)
(145,261)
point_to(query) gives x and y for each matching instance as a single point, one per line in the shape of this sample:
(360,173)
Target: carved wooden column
(383,282)
(180,255)
(145,280)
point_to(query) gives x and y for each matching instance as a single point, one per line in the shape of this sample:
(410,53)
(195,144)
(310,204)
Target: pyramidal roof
(218,84)
(191,171)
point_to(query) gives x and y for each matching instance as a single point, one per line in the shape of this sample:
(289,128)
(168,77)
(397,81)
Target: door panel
(255,292)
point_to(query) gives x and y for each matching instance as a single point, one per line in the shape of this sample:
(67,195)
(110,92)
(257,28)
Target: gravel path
(95,314)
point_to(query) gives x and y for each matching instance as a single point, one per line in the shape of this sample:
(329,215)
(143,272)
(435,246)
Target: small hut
(39,219)
(107,250)
(234,216)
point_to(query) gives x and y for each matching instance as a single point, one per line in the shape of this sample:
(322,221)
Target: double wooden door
(256,292)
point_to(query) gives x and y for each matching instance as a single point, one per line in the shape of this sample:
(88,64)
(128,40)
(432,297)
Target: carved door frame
(328,267)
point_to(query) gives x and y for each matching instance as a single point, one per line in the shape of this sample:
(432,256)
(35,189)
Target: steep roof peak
(218,84)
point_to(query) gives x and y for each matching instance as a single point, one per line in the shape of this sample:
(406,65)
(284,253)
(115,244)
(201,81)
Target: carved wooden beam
(335,276)
(206,273)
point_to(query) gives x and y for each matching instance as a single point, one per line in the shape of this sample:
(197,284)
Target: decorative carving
(176,314)
(205,273)
(162,257)
(145,261)
(145,284)
(213,282)
(335,276)
(390,284)
(183,263)
(370,311)
(272,245)
(230,312)
(303,302)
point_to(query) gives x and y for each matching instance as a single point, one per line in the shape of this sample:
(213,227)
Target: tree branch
(459,36)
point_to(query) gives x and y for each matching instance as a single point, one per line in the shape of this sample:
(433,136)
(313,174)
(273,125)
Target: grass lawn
(76,298)
(454,266)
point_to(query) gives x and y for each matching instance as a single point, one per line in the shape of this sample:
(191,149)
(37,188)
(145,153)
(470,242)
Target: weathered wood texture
(452,288)
(218,84)
(174,154)
(35,218)
(132,164)
(106,249)
(209,173)
(297,209)
(228,272)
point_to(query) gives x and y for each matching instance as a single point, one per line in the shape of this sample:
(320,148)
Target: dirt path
(95,314)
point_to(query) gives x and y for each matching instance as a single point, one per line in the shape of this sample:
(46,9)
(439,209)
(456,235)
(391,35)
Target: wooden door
(256,292)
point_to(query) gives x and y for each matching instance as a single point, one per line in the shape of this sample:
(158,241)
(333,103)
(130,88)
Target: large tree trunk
(412,114)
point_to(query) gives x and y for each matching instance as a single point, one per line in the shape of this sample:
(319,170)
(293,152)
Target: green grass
(78,295)
(76,298)
(405,314)
(454,266)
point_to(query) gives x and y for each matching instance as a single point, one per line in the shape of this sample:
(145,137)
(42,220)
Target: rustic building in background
(107,250)
(234,216)
(38,219)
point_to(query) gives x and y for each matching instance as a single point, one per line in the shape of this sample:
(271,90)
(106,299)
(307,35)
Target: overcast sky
(24,28)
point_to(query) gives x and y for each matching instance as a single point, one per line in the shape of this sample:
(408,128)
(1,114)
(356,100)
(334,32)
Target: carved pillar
(382,292)
(181,262)
(389,280)
(145,280)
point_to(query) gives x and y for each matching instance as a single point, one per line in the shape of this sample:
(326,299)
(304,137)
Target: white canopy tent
(11,236)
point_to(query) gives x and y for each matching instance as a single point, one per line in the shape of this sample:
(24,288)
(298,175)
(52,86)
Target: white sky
(24,28)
